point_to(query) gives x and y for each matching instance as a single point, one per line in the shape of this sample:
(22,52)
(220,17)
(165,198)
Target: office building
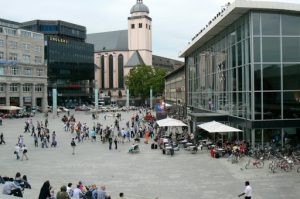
(69,59)
(23,73)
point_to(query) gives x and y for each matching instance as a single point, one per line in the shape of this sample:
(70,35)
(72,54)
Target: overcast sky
(175,22)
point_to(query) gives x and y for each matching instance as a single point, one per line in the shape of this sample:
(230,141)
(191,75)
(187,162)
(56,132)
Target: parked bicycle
(258,163)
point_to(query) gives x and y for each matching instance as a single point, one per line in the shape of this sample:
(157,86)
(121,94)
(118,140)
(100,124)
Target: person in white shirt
(17,151)
(77,193)
(247,192)
(70,190)
(11,188)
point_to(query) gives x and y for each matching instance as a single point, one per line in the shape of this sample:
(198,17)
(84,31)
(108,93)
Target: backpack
(88,195)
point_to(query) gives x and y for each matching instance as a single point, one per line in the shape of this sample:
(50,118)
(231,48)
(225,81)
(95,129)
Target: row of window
(22,33)
(15,70)
(140,25)
(25,58)
(25,46)
(25,87)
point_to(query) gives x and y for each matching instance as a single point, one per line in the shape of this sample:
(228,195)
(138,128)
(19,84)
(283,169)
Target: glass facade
(250,71)
(220,73)
(219,77)
(70,61)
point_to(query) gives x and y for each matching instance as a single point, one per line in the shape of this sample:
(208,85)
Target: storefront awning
(217,127)
(10,108)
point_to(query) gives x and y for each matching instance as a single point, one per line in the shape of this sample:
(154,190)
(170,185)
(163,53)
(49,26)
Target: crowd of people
(15,186)
(80,191)
(133,130)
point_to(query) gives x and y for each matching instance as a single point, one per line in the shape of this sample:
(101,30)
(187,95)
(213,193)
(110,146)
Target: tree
(142,78)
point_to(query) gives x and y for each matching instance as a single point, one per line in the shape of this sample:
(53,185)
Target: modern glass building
(70,60)
(243,69)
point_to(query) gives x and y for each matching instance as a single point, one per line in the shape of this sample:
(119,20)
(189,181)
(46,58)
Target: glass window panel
(289,26)
(271,77)
(291,49)
(256,49)
(291,74)
(256,23)
(272,136)
(271,49)
(239,34)
(257,100)
(240,79)
(233,38)
(257,77)
(272,105)
(258,137)
(239,52)
(234,80)
(233,56)
(270,24)
(291,105)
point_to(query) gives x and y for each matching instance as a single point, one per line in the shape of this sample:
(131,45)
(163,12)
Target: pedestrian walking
(21,140)
(2,138)
(73,145)
(46,122)
(54,143)
(44,141)
(247,192)
(110,142)
(32,130)
(35,138)
(17,151)
(24,151)
(116,142)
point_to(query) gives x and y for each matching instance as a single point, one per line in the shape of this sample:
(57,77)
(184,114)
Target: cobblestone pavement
(146,175)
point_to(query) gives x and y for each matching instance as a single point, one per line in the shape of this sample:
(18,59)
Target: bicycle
(259,163)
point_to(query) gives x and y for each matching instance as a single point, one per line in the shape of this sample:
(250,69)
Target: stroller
(134,148)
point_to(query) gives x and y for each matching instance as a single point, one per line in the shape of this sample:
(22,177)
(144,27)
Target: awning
(170,122)
(10,108)
(217,127)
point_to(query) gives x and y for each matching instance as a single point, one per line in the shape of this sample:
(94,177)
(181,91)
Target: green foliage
(142,78)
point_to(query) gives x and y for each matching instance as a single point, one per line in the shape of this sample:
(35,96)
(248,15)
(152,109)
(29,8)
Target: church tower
(140,33)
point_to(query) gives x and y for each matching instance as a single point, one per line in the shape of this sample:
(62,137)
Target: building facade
(175,91)
(117,52)
(69,59)
(245,66)
(23,73)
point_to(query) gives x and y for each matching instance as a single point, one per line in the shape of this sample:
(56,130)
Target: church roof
(109,41)
(139,7)
(135,60)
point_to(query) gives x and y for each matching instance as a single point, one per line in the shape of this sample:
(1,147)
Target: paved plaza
(146,175)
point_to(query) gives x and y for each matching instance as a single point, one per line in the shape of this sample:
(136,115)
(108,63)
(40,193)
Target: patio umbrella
(170,122)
